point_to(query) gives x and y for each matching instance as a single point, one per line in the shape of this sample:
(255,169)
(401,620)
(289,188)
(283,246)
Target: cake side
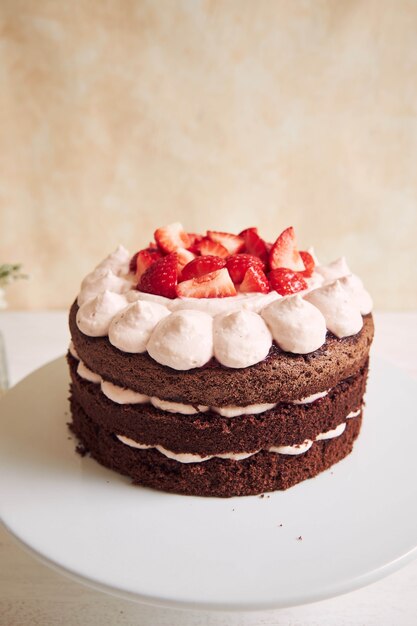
(262,472)
(207,433)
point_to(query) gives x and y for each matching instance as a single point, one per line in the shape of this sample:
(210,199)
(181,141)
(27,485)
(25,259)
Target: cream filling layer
(187,457)
(124,395)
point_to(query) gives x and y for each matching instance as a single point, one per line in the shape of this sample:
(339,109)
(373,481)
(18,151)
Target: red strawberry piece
(202,265)
(255,245)
(206,246)
(308,263)
(194,238)
(184,257)
(243,232)
(284,252)
(232,243)
(171,237)
(217,284)
(144,259)
(132,263)
(254,280)
(161,277)
(237,264)
(286,281)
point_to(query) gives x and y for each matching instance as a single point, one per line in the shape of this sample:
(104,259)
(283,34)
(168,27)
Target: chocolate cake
(219,365)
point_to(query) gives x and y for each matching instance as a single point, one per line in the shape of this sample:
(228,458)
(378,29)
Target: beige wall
(119,116)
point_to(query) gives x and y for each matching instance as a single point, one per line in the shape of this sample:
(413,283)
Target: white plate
(358,520)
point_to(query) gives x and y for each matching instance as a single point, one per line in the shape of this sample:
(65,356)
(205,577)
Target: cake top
(219,264)
(187,298)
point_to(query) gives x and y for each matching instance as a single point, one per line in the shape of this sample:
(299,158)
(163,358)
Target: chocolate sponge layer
(209,433)
(265,471)
(280,377)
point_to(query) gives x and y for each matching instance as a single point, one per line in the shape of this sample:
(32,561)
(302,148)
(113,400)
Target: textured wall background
(119,116)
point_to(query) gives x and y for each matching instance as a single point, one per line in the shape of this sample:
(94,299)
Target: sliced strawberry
(237,264)
(206,246)
(254,280)
(171,237)
(144,259)
(232,243)
(184,257)
(286,281)
(202,265)
(216,284)
(284,252)
(243,232)
(195,239)
(161,277)
(308,263)
(255,245)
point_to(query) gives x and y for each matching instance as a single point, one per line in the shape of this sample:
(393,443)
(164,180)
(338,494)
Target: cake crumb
(299,538)
(262,495)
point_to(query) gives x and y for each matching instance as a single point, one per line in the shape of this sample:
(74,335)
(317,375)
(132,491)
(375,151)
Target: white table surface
(31,594)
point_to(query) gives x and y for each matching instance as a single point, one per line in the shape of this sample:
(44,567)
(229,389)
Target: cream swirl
(94,316)
(183,340)
(342,317)
(241,338)
(353,285)
(334,270)
(117,261)
(131,329)
(296,325)
(100,280)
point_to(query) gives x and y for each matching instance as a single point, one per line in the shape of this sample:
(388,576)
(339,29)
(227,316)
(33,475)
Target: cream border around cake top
(184,333)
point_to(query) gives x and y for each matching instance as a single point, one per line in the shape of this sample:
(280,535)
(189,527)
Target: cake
(218,365)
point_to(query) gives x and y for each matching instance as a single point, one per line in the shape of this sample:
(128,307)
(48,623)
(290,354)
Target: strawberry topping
(232,243)
(254,280)
(184,257)
(308,263)
(243,232)
(237,264)
(161,277)
(211,266)
(286,281)
(144,259)
(202,265)
(284,252)
(255,245)
(194,239)
(206,246)
(217,284)
(171,237)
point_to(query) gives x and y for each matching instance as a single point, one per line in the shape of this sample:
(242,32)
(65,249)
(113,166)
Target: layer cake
(219,365)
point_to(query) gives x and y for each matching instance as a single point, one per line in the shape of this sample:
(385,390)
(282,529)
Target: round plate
(339,531)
